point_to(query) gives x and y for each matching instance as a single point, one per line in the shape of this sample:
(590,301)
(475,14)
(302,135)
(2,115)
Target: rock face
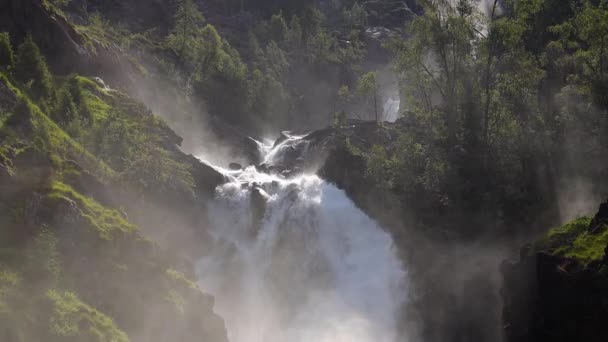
(554,298)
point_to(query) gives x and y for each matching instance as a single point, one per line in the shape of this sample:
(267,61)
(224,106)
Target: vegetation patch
(574,240)
(71,318)
(106,221)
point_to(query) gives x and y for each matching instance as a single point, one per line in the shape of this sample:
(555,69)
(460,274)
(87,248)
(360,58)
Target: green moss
(97,108)
(573,240)
(589,247)
(560,237)
(71,318)
(107,222)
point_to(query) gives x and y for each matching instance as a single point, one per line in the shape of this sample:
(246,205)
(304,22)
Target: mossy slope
(73,265)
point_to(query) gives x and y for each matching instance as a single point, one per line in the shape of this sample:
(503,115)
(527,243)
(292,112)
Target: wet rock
(286,173)
(206,178)
(262,168)
(235,166)
(241,146)
(258,206)
(282,138)
(296,171)
(600,220)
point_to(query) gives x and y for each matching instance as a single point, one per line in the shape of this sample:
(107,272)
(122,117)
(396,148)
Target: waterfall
(391,108)
(294,260)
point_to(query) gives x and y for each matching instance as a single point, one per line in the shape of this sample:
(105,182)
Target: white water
(308,267)
(391,108)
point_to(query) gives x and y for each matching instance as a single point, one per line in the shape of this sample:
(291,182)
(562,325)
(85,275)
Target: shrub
(65,108)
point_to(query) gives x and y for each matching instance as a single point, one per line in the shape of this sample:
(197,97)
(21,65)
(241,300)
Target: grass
(573,240)
(107,222)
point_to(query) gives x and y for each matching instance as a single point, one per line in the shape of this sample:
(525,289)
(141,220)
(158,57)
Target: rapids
(294,260)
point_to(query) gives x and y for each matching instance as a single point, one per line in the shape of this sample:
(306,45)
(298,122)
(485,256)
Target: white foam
(308,267)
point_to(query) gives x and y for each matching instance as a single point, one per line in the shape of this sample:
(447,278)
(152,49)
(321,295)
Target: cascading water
(296,261)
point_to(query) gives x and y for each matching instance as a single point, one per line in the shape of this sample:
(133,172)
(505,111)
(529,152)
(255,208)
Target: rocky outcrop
(549,297)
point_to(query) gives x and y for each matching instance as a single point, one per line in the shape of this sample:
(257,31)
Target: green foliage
(185,37)
(108,223)
(339,119)
(377,165)
(356,16)
(7,59)
(157,173)
(73,320)
(367,87)
(31,69)
(65,109)
(278,28)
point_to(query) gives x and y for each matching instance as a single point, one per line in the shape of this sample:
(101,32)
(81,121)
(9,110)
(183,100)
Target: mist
(239,171)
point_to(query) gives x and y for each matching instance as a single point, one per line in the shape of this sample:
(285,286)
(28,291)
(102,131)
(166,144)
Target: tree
(211,50)
(356,16)
(441,50)
(368,87)
(185,36)
(278,28)
(32,70)
(591,33)
(7,59)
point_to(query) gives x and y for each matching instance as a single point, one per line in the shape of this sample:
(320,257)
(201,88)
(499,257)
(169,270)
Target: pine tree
(32,70)
(184,39)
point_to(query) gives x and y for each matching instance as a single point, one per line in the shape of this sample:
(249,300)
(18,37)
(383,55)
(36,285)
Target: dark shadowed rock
(258,204)
(241,146)
(235,166)
(282,138)
(600,220)
(549,298)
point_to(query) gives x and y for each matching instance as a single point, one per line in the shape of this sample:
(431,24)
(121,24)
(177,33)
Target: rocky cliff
(558,289)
